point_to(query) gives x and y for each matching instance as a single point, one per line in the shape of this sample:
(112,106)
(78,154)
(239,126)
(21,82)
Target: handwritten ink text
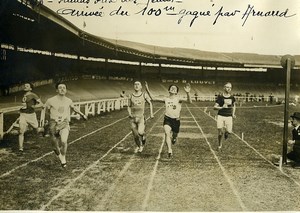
(224,14)
(195,15)
(250,11)
(73,12)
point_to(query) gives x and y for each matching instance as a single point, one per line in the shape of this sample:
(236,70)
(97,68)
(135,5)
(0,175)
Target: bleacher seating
(85,90)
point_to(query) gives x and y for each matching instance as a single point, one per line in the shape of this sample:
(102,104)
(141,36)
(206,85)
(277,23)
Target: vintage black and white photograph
(150,105)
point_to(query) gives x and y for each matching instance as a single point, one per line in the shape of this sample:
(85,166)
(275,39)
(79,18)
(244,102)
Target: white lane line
(105,199)
(39,158)
(150,184)
(270,162)
(111,189)
(263,157)
(72,182)
(241,203)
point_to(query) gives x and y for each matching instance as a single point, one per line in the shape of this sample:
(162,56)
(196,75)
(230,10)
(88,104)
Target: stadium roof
(29,24)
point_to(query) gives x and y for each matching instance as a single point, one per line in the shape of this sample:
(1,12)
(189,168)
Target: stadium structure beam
(287,62)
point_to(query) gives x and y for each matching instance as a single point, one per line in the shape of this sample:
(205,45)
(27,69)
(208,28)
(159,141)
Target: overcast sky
(247,26)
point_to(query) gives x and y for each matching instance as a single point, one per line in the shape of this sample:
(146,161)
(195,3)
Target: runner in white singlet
(59,107)
(172,114)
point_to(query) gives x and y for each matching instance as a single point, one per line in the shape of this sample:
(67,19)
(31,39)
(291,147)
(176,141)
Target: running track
(197,178)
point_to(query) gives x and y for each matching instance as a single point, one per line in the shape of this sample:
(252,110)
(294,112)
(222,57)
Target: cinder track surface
(104,173)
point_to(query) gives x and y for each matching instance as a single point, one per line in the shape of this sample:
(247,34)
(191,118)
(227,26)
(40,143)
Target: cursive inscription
(119,12)
(224,14)
(74,1)
(74,12)
(194,14)
(175,8)
(250,11)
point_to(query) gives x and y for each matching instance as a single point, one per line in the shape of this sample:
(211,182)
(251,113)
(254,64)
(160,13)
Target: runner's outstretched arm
(78,111)
(148,99)
(187,89)
(150,94)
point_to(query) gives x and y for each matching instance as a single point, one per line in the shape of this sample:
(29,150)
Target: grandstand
(39,46)
(68,51)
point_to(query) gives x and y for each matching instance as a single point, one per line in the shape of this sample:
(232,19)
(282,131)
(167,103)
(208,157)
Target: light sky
(271,35)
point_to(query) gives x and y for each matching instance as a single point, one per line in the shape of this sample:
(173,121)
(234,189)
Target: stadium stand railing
(92,108)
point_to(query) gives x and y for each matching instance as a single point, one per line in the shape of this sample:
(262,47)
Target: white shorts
(225,122)
(28,118)
(61,129)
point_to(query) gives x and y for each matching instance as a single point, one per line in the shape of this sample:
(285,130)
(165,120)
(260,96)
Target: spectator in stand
(247,96)
(59,107)
(271,98)
(251,98)
(225,104)
(30,101)
(196,96)
(122,95)
(296,99)
(172,115)
(255,98)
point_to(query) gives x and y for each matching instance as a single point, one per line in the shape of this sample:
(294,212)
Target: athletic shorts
(174,123)
(28,118)
(138,122)
(225,122)
(61,129)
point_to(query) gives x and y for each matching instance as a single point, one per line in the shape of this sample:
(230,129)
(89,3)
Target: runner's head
(227,87)
(61,88)
(173,89)
(28,87)
(137,86)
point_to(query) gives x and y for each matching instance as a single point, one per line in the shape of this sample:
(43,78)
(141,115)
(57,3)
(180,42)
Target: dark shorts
(173,123)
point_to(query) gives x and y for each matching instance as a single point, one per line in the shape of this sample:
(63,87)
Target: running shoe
(136,149)
(226,135)
(56,152)
(20,152)
(174,140)
(141,149)
(144,140)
